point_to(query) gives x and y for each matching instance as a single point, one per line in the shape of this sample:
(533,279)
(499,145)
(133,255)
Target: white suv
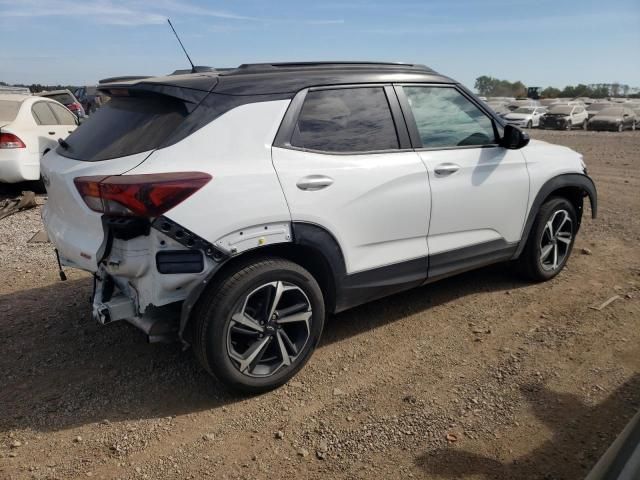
(236,209)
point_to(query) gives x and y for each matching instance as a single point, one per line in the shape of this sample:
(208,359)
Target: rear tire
(259,325)
(550,241)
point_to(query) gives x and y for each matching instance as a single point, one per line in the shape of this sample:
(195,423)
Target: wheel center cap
(270,329)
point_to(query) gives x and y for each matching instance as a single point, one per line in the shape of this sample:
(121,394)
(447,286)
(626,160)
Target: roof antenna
(193,68)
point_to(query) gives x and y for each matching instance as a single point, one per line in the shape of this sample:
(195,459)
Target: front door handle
(52,133)
(445,169)
(312,183)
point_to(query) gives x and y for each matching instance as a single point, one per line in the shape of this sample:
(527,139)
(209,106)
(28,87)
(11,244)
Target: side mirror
(513,138)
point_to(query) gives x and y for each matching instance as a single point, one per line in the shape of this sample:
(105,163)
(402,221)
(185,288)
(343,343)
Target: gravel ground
(478,376)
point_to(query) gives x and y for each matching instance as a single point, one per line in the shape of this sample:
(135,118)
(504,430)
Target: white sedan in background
(527,117)
(30,126)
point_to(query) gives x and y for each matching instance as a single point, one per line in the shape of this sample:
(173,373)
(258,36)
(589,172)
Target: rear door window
(346,120)
(43,114)
(125,126)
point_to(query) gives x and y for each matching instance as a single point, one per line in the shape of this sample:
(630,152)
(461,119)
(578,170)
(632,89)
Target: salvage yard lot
(480,375)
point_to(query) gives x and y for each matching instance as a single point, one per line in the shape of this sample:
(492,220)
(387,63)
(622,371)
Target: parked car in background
(90,98)
(616,118)
(564,117)
(66,98)
(595,108)
(499,107)
(292,192)
(30,126)
(527,117)
(522,102)
(11,89)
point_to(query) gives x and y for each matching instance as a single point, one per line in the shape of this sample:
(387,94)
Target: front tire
(259,326)
(550,241)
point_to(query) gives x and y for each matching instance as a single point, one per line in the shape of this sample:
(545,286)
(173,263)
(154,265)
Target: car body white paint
(22,164)
(244,190)
(377,206)
(468,206)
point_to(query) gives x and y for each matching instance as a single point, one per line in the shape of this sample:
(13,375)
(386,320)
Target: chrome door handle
(312,183)
(445,169)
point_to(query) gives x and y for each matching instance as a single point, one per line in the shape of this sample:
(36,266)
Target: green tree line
(494,87)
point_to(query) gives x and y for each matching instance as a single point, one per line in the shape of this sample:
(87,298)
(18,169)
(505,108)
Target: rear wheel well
(307,257)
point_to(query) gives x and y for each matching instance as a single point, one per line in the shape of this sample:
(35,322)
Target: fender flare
(579,180)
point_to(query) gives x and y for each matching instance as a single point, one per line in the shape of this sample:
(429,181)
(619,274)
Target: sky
(540,42)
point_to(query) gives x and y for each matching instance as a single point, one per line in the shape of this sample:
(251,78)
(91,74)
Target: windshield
(8,110)
(563,110)
(524,110)
(611,112)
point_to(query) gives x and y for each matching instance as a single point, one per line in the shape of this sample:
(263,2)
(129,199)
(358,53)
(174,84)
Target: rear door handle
(445,169)
(52,133)
(312,183)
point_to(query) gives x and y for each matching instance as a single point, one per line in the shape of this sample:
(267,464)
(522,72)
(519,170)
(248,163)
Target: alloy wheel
(269,329)
(556,240)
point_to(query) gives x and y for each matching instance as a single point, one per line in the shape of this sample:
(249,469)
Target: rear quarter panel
(235,149)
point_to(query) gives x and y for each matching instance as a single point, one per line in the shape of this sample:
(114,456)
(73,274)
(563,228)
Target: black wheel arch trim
(578,180)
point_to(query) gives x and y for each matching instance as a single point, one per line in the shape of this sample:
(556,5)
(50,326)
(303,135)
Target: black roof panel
(284,78)
(275,78)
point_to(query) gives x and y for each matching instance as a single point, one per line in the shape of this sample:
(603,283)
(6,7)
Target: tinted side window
(445,118)
(346,120)
(43,114)
(65,117)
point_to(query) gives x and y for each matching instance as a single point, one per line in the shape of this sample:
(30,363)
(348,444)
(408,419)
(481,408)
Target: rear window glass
(63,98)
(346,120)
(9,110)
(43,114)
(125,126)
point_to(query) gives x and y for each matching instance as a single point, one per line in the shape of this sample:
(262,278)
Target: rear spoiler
(189,88)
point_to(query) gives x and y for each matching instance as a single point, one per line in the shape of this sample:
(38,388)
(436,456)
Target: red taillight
(9,140)
(74,106)
(147,195)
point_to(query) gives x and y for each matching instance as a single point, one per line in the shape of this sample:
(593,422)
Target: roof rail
(261,67)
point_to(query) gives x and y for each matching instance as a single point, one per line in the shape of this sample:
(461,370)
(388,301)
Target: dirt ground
(478,376)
